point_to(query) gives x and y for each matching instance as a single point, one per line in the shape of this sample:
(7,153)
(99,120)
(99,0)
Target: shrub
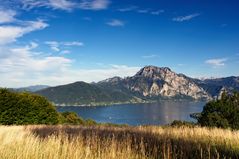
(90,122)
(71,118)
(179,123)
(25,108)
(223,113)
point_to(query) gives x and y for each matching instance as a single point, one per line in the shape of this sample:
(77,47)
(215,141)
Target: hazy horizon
(54,42)
(42,84)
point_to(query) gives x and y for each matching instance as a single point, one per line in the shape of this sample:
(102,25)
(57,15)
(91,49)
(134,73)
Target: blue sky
(61,41)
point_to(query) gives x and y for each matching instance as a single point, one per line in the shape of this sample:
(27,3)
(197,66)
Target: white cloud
(73,43)
(67,5)
(150,56)
(9,33)
(157,12)
(62,4)
(185,18)
(143,11)
(137,10)
(87,75)
(22,66)
(55,46)
(63,52)
(181,64)
(33,45)
(216,62)
(115,23)
(127,9)
(29,4)
(7,16)
(94,4)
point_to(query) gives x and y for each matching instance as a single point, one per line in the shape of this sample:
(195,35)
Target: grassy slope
(76,142)
(81,93)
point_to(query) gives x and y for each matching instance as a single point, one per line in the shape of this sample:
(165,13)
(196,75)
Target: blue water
(139,114)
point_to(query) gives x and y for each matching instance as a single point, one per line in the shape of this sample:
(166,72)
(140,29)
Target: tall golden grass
(104,142)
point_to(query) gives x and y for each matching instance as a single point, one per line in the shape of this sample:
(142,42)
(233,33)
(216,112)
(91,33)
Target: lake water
(139,114)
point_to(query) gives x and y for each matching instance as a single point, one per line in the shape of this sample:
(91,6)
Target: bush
(223,113)
(71,118)
(179,123)
(90,122)
(25,108)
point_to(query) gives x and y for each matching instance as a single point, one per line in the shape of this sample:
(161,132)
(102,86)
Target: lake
(160,113)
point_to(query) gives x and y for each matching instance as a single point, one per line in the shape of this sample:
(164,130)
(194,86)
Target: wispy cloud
(10,33)
(72,43)
(185,18)
(94,4)
(116,23)
(67,5)
(143,10)
(63,52)
(127,9)
(150,56)
(181,64)
(55,45)
(136,9)
(218,62)
(157,12)
(7,15)
(62,4)
(23,66)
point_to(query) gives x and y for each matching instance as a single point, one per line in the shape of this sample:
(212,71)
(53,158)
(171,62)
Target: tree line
(25,108)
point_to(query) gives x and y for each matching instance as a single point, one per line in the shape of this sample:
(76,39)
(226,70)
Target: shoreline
(122,103)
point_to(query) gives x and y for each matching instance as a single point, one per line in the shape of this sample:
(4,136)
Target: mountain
(154,81)
(81,93)
(149,84)
(31,88)
(215,86)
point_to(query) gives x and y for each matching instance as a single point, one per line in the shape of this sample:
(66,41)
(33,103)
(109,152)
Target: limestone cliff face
(155,81)
(149,83)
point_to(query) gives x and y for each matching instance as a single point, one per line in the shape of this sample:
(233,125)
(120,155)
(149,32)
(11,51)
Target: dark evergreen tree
(223,113)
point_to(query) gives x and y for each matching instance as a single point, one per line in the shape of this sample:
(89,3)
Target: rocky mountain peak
(112,80)
(154,81)
(155,72)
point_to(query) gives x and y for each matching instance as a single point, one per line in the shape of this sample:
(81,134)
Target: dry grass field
(104,142)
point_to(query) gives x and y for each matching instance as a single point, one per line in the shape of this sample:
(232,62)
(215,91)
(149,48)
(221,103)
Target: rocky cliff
(149,83)
(154,81)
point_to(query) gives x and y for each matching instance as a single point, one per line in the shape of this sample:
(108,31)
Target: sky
(56,42)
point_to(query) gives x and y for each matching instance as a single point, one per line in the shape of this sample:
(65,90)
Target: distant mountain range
(31,88)
(151,83)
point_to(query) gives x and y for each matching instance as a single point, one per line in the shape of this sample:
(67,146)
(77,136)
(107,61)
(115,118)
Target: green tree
(223,113)
(71,118)
(25,108)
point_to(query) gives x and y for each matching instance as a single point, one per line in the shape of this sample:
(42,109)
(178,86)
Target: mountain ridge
(149,84)
(32,88)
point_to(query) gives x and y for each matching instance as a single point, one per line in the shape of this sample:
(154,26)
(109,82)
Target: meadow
(111,142)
